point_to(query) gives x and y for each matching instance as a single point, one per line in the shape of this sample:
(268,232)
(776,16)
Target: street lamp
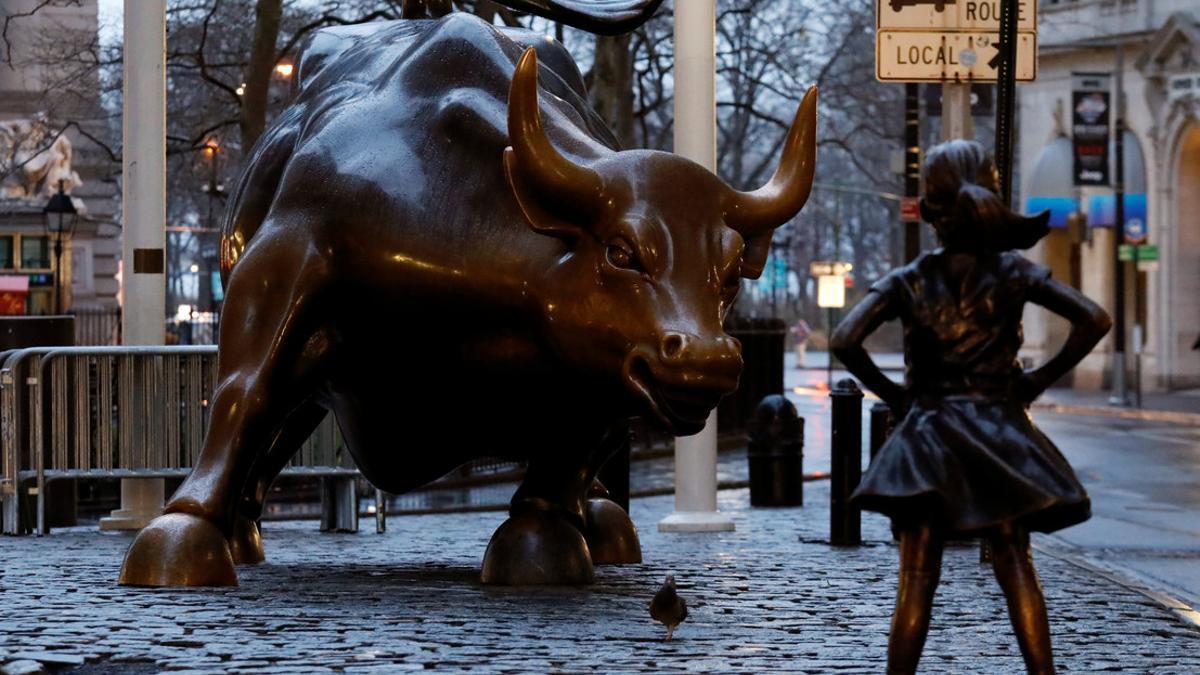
(60,221)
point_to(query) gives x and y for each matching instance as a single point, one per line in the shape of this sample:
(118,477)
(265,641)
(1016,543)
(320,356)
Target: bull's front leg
(272,355)
(542,541)
(611,535)
(556,516)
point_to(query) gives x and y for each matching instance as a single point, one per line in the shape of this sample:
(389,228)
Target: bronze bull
(438,249)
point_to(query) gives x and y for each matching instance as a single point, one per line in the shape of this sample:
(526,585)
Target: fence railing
(97,326)
(115,412)
(101,326)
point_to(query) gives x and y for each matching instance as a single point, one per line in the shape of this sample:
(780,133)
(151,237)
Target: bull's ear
(540,218)
(754,256)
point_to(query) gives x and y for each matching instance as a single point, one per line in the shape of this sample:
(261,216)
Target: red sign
(910,210)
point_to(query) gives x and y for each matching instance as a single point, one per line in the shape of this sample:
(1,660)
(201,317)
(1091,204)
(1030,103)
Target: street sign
(1135,231)
(949,40)
(951,15)
(1144,253)
(829,268)
(936,56)
(910,210)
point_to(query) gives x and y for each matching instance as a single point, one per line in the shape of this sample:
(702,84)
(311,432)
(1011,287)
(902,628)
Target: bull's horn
(772,205)
(538,162)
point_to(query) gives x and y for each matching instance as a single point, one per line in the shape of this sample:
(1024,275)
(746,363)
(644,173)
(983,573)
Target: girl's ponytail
(964,209)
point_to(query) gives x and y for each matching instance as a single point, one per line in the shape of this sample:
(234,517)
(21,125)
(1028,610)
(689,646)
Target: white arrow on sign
(933,56)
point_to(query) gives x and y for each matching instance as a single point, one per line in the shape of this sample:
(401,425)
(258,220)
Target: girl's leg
(920,569)
(1026,606)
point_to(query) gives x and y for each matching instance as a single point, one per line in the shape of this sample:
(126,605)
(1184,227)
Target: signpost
(949,40)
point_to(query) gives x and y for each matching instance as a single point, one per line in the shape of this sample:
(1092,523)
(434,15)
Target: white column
(144,203)
(696,139)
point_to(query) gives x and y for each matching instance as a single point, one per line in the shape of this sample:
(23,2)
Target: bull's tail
(256,187)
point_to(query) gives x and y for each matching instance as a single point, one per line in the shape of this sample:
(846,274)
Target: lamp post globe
(60,219)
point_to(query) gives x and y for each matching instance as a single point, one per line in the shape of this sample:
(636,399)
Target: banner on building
(1091,112)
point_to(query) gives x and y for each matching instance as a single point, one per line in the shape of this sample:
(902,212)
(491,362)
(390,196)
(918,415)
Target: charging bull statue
(433,244)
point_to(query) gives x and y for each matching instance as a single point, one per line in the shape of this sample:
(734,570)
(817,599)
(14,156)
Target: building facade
(44,89)
(1154,45)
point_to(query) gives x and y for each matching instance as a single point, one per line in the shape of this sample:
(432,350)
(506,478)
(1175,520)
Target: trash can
(775,450)
(762,374)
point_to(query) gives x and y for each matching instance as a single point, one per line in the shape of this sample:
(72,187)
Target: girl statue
(965,459)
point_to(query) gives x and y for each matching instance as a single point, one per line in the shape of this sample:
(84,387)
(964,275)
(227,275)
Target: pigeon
(667,607)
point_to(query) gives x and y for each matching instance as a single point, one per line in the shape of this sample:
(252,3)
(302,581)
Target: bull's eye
(621,257)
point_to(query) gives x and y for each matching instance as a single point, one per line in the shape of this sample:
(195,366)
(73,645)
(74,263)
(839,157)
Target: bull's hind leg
(271,351)
(245,542)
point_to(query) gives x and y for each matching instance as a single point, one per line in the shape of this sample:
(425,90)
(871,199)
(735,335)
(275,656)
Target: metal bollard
(339,504)
(882,424)
(775,451)
(380,511)
(845,527)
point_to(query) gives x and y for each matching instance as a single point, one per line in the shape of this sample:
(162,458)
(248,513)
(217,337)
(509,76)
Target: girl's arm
(874,309)
(1089,323)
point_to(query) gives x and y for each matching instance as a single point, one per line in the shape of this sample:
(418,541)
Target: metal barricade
(115,412)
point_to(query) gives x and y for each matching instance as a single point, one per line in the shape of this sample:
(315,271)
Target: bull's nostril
(672,345)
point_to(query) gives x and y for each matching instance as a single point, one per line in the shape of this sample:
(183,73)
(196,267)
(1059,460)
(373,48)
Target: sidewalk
(769,597)
(1176,407)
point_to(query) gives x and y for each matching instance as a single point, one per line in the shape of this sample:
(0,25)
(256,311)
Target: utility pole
(1006,93)
(144,203)
(696,139)
(912,165)
(1120,388)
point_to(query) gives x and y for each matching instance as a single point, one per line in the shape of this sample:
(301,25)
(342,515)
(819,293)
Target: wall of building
(96,248)
(1083,36)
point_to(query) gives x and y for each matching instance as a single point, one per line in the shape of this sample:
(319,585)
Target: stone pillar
(696,139)
(144,202)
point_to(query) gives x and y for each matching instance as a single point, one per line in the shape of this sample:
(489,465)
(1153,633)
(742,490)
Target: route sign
(952,15)
(949,40)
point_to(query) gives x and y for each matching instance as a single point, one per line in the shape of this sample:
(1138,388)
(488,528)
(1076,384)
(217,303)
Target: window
(6,252)
(35,253)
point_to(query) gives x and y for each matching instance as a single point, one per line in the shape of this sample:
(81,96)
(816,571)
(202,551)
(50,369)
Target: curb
(1169,416)
(1183,611)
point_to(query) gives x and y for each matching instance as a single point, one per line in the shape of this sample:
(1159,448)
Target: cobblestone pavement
(771,596)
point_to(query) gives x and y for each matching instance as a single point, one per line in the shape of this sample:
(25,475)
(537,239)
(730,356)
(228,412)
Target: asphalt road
(1143,477)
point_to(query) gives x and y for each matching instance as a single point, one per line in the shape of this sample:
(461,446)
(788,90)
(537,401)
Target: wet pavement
(771,596)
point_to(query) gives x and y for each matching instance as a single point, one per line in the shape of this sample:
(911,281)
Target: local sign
(954,40)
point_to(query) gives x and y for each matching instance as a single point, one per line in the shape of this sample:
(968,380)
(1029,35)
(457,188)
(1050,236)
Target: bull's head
(656,247)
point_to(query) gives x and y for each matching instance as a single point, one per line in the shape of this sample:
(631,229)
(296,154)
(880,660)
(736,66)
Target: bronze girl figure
(965,459)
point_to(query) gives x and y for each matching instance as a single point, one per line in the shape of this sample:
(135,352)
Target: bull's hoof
(179,549)
(245,545)
(537,550)
(611,535)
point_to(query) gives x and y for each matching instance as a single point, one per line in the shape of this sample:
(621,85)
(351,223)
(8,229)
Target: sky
(111,12)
